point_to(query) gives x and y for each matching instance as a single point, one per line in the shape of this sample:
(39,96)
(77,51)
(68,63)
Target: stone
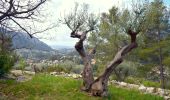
(123,84)
(80,76)
(29,72)
(133,86)
(74,76)
(95,78)
(10,76)
(167,93)
(16,73)
(142,88)
(69,75)
(62,72)
(53,73)
(160,91)
(56,75)
(150,90)
(20,79)
(166,97)
(66,75)
(115,82)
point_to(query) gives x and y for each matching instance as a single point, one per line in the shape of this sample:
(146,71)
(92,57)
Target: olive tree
(81,23)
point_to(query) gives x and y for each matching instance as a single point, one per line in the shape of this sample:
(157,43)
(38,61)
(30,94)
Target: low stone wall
(151,90)
(73,75)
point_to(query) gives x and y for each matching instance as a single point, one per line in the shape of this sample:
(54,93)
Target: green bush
(6,63)
(56,68)
(22,64)
(77,69)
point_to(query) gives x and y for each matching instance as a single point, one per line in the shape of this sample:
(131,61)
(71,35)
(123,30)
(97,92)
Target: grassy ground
(46,87)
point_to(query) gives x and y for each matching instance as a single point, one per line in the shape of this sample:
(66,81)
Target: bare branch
(21,27)
(16,9)
(49,28)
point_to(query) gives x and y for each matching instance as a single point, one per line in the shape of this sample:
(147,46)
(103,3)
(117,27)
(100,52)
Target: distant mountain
(23,40)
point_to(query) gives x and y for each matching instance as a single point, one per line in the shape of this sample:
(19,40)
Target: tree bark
(161,68)
(99,86)
(87,71)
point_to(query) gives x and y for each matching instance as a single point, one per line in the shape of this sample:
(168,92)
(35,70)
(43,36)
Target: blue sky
(56,9)
(167,2)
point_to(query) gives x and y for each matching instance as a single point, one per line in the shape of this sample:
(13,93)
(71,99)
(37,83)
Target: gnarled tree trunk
(99,86)
(87,73)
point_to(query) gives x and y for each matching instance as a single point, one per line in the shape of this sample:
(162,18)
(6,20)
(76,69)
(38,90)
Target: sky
(60,35)
(56,9)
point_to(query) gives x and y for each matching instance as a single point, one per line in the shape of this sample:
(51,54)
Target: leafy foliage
(7,57)
(6,63)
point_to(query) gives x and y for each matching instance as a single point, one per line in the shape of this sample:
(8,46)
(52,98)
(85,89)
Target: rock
(133,86)
(94,77)
(167,93)
(80,76)
(150,90)
(62,72)
(53,73)
(123,84)
(16,73)
(166,97)
(66,75)
(20,79)
(29,72)
(142,88)
(115,82)
(11,76)
(69,75)
(74,76)
(160,91)
(56,75)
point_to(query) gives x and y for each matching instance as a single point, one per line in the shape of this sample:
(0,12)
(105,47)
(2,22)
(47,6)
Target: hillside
(47,87)
(22,40)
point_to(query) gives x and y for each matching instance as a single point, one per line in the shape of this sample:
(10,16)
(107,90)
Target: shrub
(56,68)
(77,69)
(6,63)
(22,64)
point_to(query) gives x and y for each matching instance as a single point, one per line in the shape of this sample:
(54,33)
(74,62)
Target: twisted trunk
(87,73)
(99,86)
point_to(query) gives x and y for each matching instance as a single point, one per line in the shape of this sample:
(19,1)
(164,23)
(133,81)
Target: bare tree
(13,10)
(80,21)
